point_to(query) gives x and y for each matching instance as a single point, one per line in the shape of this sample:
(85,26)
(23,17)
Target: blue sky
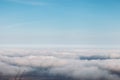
(60,22)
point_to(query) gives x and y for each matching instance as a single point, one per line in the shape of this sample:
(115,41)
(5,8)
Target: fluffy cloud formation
(62,64)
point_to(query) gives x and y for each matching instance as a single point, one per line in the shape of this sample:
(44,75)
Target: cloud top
(65,64)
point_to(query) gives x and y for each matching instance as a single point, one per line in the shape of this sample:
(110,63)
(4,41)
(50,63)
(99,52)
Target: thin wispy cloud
(29,2)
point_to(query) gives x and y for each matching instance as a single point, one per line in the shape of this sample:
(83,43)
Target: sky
(60,22)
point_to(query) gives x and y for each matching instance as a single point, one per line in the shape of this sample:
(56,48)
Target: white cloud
(63,62)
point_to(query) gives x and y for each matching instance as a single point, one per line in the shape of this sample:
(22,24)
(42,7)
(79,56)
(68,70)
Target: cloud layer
(61,64)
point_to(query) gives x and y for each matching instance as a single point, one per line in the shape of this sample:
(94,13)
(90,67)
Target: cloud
(29,2)
(61,64)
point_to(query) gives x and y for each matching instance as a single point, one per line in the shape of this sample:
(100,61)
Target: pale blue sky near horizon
(60,22)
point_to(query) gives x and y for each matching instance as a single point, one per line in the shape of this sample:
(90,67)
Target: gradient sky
(60,22)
